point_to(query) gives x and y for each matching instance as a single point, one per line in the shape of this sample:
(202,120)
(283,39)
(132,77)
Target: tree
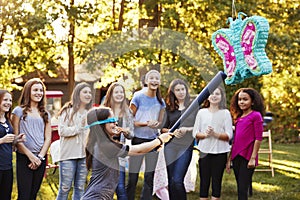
(25,44)
(29,41)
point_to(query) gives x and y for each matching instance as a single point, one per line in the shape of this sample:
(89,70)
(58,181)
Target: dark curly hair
(257,102)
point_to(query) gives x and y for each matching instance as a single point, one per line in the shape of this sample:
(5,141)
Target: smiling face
(244,101)
(153,80)
(215,97)
(118,94)
(6,103)
(180,92)
(36,92)
(110,127)
(85,95)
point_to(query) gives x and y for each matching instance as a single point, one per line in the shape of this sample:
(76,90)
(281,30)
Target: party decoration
(242,48)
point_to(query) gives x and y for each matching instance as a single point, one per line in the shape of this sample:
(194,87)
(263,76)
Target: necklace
(5,126)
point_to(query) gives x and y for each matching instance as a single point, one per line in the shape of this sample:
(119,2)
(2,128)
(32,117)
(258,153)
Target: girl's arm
(221,136)
(201,136)
(133,109)
(225,136)
(197,127)
(8,138)
(35,161)
(161,118)
(164,130)
(251,163)
(228,163)
(182,131)
(258,131)
(148,146)
(166,124)
(156,124)
(47,141)
(136,123)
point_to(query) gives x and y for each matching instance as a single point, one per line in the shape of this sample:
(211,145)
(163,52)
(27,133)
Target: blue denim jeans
(70,171)
(121,191)
(178,158)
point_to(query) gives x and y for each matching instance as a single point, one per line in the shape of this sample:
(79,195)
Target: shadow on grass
(285,185)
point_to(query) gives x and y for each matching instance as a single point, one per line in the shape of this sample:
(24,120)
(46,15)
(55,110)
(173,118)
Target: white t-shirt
(221,122)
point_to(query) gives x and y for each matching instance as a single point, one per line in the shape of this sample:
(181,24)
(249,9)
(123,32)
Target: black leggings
(243,176)
(211,168)
(6,182)
(28,180)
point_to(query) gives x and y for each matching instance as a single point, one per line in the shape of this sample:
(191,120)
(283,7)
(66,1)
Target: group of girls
(26,128)
(211,126)
(94,139)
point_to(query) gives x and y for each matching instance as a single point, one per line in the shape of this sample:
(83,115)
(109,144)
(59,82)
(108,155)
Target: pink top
(247,130)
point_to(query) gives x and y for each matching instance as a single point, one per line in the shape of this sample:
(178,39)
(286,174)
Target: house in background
(60,82)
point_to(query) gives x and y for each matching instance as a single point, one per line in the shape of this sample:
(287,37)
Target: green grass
(285,185)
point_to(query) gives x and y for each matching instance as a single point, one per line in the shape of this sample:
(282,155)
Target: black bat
(204,94)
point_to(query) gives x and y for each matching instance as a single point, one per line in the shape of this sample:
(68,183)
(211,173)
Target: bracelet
(161,142)
(41,157)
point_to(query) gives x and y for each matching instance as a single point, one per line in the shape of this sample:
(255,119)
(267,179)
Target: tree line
(44,35)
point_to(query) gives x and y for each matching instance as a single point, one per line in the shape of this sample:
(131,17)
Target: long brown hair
(98,134)
(222,104)
(109,101)
(171,100)
(75,101)
(8,113)
(25,99)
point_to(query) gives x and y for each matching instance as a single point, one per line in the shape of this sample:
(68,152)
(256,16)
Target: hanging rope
(234,14)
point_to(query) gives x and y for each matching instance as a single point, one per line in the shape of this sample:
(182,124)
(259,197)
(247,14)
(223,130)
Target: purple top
(247,130)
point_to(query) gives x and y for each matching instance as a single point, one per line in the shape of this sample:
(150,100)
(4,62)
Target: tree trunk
(153,13)
(121,19)
(71,37)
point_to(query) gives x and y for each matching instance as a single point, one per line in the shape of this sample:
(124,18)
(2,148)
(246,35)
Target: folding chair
(54,150)
(268,150)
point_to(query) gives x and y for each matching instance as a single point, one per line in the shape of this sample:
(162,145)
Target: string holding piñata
(242,48)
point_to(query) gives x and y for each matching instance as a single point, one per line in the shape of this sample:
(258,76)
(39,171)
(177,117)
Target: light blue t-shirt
(34,129)
(148,108)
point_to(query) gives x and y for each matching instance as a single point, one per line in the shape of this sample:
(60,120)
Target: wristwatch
(41,157)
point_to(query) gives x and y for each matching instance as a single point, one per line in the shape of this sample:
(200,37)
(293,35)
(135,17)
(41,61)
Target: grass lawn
(285,185)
